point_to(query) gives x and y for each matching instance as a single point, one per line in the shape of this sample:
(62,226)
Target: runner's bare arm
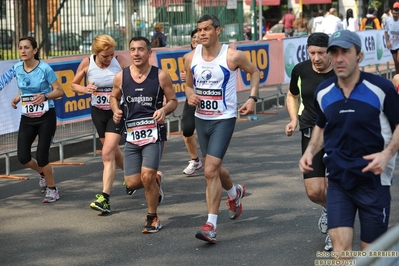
(16,100)
(237,59)
(81,72)
(192,98)
(54,94)
(115,97)
(170,95)
(57,92)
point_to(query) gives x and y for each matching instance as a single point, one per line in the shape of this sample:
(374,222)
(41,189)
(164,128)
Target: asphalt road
(278,225)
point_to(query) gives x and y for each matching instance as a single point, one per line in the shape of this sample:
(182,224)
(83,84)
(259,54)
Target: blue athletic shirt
(356,126)
(37,81)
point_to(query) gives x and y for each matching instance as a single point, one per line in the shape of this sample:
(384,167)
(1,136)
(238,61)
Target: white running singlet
(104,80)
(215,83)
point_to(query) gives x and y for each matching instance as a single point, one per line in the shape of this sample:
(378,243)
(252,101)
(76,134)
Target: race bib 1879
(30,109)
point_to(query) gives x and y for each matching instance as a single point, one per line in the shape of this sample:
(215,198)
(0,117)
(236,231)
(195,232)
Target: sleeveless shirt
(141,100)
(215,83)
(103,79)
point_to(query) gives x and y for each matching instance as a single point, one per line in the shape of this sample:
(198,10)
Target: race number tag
(100,98)
(141,131)
(30,109)
(211,102)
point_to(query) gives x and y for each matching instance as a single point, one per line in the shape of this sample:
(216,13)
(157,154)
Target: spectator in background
(350,23)
(341,17)
(288,21)
(370,22)
(158,33)
(391,35)
(331,23)
(263,24)
(385,17)
(316,27)
(136,21)
(301,25)
(311,20)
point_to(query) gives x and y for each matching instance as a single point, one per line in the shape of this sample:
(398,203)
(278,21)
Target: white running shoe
(192,167)
(328,242)
(323,221)
(42,184)
(51,195)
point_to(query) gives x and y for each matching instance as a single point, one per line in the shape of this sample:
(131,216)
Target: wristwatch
(255,98)
(46,96)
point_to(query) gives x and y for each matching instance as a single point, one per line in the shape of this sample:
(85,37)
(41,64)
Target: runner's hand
(15,101)
(117,116)
(247,108)
(159,116)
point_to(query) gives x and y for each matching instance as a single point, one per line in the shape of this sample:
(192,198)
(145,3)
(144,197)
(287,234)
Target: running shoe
(192,167)
(152,224)
(207,232)
(235,206)
(328,242)
(101,204)
(129,192)
(159,180)
(42,184)
(51,195)
(323,221)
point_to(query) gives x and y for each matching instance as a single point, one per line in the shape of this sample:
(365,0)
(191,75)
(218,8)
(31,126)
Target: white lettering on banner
(293,54)
(373,47)
(6,78)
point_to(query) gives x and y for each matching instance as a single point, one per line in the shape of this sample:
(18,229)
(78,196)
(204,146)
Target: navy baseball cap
(344,39)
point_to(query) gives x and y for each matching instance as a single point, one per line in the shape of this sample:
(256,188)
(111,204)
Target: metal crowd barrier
(383,252)
(64,134)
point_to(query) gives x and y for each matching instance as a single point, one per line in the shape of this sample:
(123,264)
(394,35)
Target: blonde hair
(158,27)
(102,42)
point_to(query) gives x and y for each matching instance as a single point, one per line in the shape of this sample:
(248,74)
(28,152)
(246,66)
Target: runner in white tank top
(391,28)
(103,78)
(100,69)
(215,83)
(210,85)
